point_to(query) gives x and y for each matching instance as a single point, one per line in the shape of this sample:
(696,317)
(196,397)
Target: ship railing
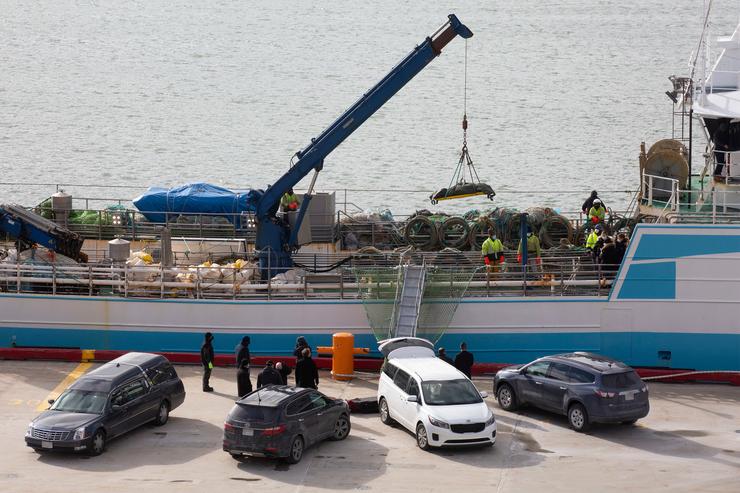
(723,208)
(566,275)
(660,191)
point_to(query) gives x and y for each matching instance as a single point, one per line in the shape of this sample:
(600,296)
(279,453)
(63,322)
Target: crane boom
(273,241)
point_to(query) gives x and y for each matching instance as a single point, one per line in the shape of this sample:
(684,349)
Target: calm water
(560,94)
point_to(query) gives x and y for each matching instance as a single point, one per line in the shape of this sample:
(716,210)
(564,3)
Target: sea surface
(137,93)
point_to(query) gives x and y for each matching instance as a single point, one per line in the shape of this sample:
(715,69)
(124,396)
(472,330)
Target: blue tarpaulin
(194,198)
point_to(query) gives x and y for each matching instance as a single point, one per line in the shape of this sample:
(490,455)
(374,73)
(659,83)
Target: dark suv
(117,397)
(586,387)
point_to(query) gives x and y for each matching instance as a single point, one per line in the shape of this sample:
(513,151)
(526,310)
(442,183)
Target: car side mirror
(50,401)
(412,398)
(483,394)
(115,407)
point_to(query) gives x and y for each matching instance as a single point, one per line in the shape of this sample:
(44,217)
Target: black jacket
(464,362)
(284,372)
(243,383)
(206,353)
(306,374)
(269,376)
(241,352)
(590,202)
(446,359)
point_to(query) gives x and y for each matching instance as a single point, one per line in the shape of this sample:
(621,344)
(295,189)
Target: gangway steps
(410,301)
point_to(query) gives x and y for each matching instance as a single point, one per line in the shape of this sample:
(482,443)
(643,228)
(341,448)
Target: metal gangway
(406,316)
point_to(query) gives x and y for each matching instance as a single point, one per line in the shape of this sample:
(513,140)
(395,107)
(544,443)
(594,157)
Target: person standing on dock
(206,359)
(284,371)
(300,345)
(306,373)
(243,382)
(289,201)
(243,359)
(464,360)
(269,376)
(492,252)
(442,354)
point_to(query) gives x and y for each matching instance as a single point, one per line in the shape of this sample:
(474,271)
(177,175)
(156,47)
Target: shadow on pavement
(346,465)
(181,440)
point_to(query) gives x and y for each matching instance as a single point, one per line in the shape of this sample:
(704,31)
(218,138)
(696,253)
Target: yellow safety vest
(491,246)
(594,212)
(591,240)
(533,246)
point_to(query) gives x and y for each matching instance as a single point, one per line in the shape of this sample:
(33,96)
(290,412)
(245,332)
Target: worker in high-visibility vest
(597,212)
(289,201)
(534,252)
(592,240)
(492,252)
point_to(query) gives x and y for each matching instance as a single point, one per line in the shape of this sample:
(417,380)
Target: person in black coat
(442,354)
(300,345)
(243,382)
(306,373)
(206,359)
(269,376)
(241,352)
(590,202)
(464,360)
(284,371)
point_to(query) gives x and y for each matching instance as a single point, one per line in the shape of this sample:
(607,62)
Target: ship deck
(688,442)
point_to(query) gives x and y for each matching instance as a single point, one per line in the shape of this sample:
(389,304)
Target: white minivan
(430,397)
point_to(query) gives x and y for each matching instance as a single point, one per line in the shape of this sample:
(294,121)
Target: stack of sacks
(292,276)
(141,267)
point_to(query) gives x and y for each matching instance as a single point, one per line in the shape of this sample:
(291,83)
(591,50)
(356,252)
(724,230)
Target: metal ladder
(409,303)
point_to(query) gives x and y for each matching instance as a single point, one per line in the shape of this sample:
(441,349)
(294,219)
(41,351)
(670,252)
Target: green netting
(443,290)
(380,287)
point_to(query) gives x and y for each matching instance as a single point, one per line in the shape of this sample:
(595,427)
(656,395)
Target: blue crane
(28,228)
(275,240)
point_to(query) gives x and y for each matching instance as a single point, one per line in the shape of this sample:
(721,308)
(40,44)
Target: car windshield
(450,392)
(621,380)
(81,401)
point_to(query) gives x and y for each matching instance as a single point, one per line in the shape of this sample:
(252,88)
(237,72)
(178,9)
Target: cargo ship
(208,259)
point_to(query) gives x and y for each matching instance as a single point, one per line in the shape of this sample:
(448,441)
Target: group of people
(606,250)
(306,372)
(463,361)
(492,251)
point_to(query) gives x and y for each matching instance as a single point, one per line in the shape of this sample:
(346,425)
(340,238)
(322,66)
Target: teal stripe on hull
(643,349)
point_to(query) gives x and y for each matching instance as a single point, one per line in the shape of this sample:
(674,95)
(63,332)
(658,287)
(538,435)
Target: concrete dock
(690,442)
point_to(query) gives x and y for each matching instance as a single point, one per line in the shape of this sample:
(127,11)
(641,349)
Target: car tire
(578,418)
(341,428)
(163,414)
(506,397)
(422,439)
(236,456)
(629,422)
(385,412)
(295,454)
(97,442)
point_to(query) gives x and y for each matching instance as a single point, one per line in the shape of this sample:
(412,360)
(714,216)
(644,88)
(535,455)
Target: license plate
(629,396)
(248,432)
(47,445)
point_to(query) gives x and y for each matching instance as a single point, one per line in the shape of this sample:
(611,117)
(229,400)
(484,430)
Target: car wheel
(422,439)
(629,422)
(506,397)
(578,418)
(296,451)
(97,443)
(163,414)
(341,428)
(385,413)
(236,456)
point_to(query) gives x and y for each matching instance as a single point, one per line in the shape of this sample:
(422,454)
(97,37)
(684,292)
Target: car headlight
(490,420)
(29,430)
(438,423)
(79,433)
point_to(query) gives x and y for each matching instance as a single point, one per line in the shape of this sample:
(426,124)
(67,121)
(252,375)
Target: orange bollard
(342,355)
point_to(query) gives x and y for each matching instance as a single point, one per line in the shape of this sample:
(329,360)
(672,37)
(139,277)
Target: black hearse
(131,390)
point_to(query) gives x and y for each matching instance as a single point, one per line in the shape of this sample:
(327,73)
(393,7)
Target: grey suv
(585,387)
